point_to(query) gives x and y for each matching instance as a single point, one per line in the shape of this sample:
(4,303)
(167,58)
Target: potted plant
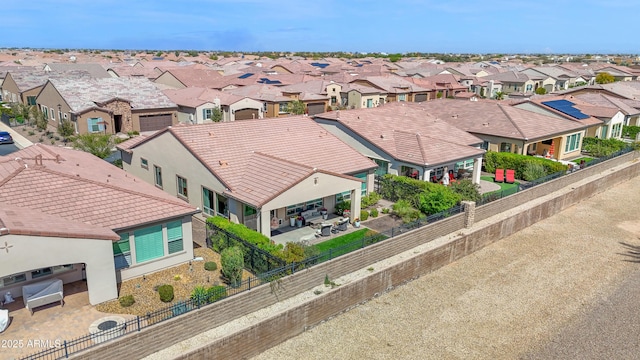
(299,221)
(356,222)
(292,220)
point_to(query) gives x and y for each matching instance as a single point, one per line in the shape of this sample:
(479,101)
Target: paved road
(6,149)
(567,287)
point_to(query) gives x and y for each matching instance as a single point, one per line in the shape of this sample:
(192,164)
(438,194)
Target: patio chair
(342,226)
(4,319)
(511,176)
(325,230)
(499,177)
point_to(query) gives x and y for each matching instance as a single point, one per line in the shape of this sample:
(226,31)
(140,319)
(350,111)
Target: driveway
(6,149)
(564,288)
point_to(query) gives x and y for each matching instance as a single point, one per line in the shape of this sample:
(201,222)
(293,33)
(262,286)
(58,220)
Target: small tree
(437,199)
(99,145)
(466,189)
(296,107)
(66,128)
(232,261)
(499,95)
(605,78)
(216,114)
(541,91)
(40,121)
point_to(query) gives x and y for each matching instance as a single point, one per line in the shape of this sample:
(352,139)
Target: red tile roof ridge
(285,160)
(12,175)
(77,177)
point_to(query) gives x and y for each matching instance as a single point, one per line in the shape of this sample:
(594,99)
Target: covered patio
(51,324)
(308,233)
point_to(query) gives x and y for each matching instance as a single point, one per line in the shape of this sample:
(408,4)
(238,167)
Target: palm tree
(499,95)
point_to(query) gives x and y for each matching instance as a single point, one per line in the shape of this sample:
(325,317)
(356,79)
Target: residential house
(404,139)
(558,78)
(506,128)
(69,215)
(355,96)
(196,105)
(609,112)
(396,88)
(22,85)
(258,173)
(516,83)
(109,106)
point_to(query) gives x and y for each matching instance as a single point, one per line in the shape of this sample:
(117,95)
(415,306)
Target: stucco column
(426,174)
(469,213)
(356,197)
(264,222)
(101,279)
(477,169)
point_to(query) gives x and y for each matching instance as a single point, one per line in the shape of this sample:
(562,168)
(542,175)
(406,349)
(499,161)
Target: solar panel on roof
(566,107)
(244,76)
(320,65)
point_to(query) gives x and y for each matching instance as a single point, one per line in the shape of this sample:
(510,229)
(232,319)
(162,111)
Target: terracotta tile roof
(599,99)
(191,76)
(496,119)
(393,84)
(27,78)
(259,159)
(12,221)
(408,133)
(196,96)
(260,92)
(126,70)
(85,94)
(80,187)
(579,104)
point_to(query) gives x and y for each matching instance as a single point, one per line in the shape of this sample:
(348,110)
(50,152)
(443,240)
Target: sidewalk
(19,140)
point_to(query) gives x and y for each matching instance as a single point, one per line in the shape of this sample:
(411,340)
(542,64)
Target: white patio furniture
(42,293)
(4,319)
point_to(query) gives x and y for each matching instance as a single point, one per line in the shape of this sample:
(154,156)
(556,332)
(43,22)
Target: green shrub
(371,199)
(501,160)
(211,266)
(364,215)
(630,131)
(215,293)
(293,252)
(126,301)
(342,206)
(466,189)
(243,232)
(232,264)
(602,147)
(199,295)
(166,293)
(374,212)
(404,210)
(385,210)
(533,171)
(437,200)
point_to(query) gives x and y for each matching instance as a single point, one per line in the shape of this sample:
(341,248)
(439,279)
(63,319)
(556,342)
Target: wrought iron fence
(256,260)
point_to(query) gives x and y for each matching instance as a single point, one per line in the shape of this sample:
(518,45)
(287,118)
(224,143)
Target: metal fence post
(66,351)
(138,319)
(249,282)
(330,254)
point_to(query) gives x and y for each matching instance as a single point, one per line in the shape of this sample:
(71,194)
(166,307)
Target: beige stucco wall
(34,252)
(10,90)
(246,103)
(83,127)
(164,262)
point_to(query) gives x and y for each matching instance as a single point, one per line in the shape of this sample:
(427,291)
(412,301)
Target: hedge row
(248,235)
(502,160)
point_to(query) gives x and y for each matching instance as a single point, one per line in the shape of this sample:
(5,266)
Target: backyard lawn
(346,243)
(585,158)
(505,188)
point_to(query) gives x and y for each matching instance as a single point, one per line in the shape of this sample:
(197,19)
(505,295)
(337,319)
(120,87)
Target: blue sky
(445,26)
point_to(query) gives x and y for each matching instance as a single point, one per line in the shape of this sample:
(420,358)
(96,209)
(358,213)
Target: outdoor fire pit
(107,328)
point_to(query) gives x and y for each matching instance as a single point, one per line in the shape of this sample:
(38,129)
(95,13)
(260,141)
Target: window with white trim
(93,124)
(174,236)
(283,107)
(53,114)
(157,174)
(402,97)
(208,201)
(144,163)
(573,143)
(182,186)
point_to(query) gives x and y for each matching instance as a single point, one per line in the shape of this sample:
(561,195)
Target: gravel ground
(183,278)
(552,285)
